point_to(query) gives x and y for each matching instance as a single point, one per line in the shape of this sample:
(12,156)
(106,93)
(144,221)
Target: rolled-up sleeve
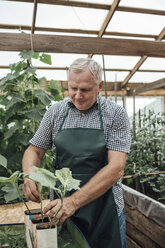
(43,136)
(119,132)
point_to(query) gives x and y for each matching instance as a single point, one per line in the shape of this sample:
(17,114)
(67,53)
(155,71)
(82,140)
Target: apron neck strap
(100,115)
(62,123)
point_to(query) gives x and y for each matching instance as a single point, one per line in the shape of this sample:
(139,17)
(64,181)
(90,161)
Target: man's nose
(78,94)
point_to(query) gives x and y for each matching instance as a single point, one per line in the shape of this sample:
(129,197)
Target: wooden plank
(148,227)
(34,17)
(150,86)
(81,45)
(140,238)
(131,243)
(141,61)
(79,31)
(96,6)
(108,17)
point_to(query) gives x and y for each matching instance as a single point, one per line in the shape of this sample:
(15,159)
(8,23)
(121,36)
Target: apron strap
(62,123)
(100,114)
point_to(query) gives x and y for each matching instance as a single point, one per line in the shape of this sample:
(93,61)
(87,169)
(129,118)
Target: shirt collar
(71,105)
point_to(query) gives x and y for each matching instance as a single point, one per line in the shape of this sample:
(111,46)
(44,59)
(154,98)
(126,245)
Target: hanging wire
(115,87)
(79,19)
(105,83)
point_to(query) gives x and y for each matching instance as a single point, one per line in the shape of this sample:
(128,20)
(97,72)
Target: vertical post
(105,83)
(123,98)
(115,87)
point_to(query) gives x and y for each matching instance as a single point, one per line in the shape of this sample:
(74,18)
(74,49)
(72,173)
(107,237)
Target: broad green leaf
(12,130)
(46,58)
(26,54)
(43,96)
(35,113)
(65,177)
(36,55)
(12,179)
(14,100)
(31,70)
(43,176)
(11,192)
(3,161)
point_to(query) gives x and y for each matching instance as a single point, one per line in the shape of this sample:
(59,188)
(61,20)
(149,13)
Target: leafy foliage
(24,99)
(12,236)
(148,154)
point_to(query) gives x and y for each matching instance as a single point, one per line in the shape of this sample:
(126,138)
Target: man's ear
(101,85)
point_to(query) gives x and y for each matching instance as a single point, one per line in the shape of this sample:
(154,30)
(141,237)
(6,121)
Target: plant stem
(20,196)
(58,210)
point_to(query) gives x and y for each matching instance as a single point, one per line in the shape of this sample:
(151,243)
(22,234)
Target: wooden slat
(108,17)
(146,226)
(141,61)
(76,31)
(151,86)
(106,69)
(139,237)
(131,243)
(96,6)
(34,16)
(135,68)
(81,45)
(107,20)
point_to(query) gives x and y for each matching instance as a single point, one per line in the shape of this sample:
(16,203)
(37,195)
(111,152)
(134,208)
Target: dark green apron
(83,150)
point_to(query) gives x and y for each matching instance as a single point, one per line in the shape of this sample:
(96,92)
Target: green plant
(147,153)
(24,98)
(11,187)
(62,182)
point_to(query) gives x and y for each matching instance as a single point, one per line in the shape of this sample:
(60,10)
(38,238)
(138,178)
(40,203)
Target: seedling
(45,178)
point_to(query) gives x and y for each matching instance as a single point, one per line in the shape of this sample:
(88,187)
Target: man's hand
(30,190)
(67,210)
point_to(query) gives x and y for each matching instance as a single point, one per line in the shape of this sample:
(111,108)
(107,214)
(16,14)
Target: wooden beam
(141,61)
(95,6)
(81,45)
(146,226)
(34,16)
(108,17)
(151,86)
(107,20)
(75,31)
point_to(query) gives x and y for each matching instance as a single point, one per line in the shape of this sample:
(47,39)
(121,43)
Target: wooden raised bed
(145,220)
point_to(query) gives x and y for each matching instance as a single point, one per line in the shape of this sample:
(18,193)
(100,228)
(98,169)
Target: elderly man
(92,137)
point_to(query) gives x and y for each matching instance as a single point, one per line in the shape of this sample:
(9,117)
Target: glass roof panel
(121,62)
(154,63)
(69,17)
(16,13)
(136,23)
(147,77)
(147,4)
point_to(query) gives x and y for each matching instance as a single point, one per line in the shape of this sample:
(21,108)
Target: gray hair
(82,64)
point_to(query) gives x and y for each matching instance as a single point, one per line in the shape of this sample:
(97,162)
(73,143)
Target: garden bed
(145,219)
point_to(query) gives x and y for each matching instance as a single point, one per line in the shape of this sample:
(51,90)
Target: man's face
(83,89)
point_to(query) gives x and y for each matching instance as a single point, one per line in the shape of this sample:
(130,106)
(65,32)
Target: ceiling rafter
(80,31)
(106,69)
(141,61)
(95,6)
(34,17)
(81,45)
(107,19)
(147,87)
